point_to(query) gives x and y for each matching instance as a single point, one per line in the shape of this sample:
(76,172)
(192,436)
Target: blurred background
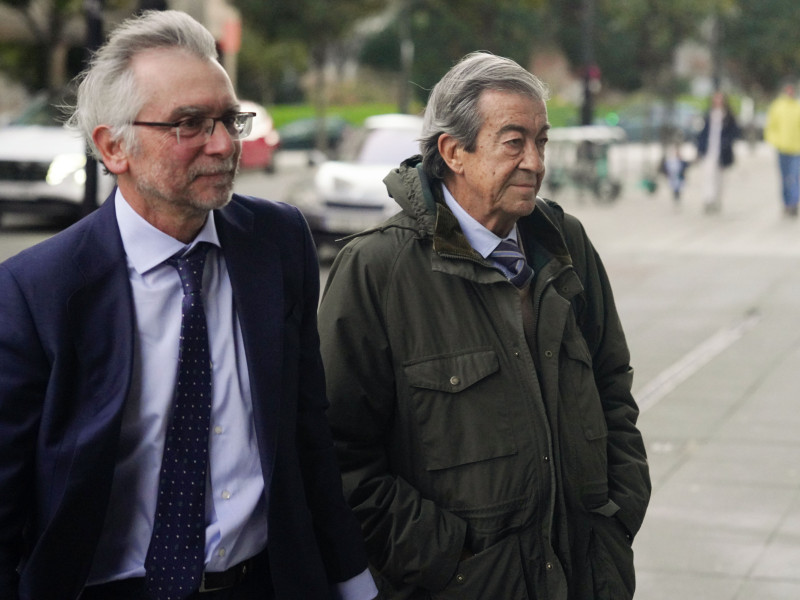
(642,63)
(314,70)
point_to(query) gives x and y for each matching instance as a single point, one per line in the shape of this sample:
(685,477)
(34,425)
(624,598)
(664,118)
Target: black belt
(210,582)
(222,580)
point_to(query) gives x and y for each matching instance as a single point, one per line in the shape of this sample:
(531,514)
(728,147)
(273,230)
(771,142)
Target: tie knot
(190,268)
(510,260)
(507,247)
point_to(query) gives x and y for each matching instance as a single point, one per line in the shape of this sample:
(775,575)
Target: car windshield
(43,110)
(388,146)
(381,146)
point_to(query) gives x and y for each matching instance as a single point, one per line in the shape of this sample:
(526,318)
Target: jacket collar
(256,274)
(422,198)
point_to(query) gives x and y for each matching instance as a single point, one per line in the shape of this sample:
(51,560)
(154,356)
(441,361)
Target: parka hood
(422,199)
(410,187)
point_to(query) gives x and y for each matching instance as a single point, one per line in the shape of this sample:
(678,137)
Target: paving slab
(711,307)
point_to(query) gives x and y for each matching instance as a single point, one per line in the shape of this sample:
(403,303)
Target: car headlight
(65,165)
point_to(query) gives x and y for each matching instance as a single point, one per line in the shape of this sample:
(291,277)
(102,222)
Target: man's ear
(451,151)
(115,156)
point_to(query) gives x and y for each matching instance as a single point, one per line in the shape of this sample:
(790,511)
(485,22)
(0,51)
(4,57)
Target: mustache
(227,167)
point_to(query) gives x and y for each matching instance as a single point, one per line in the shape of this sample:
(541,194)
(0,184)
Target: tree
(318,25)
(55,52)
(760,41)
(46,21)
(444,31)
(634,41)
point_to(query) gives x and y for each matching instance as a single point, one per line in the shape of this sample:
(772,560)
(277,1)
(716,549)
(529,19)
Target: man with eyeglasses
(162,405)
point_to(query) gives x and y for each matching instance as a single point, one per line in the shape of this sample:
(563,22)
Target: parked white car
(42,164)
(348,195)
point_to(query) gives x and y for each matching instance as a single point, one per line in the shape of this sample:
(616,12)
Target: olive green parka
(481,463)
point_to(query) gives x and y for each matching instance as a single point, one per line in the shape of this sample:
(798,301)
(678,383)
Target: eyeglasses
(196,131)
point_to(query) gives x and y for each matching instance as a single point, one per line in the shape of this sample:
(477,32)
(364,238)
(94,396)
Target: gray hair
(453,104)
(108,93)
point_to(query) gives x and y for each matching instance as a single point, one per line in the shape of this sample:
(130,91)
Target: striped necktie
(510,260)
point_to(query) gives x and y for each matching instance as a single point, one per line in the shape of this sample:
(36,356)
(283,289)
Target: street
(711,307)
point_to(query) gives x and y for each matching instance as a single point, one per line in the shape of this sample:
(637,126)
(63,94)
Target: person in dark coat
(715,148)
(479,378)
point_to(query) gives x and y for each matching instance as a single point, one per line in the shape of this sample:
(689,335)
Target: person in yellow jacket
(782,131)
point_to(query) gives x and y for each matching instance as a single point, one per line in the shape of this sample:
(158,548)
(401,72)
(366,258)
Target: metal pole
(716,52)
(94,38)
(406,58)
(587,108)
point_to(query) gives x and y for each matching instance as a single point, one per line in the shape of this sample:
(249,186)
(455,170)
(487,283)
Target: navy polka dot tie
(510,260)
(176,557)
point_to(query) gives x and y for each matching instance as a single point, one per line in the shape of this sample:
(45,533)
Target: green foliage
(315,22)
(30,64)
(632,41)
(444,31)
(760,41)
(269,72)
(559,113)
(24,64)
(352,113)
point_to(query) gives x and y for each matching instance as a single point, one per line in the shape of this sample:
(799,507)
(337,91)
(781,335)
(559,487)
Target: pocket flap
(579,351)
(452,373)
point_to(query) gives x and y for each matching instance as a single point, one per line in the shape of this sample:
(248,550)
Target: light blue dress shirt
(481,239)
(236,511)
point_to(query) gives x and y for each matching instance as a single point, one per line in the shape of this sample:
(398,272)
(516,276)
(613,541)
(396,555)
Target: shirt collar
(146,246)
(481,239)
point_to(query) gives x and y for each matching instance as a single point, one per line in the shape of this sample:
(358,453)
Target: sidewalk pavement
(711,307)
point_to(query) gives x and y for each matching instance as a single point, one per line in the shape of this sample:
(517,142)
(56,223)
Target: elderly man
(477,370)
(162,403)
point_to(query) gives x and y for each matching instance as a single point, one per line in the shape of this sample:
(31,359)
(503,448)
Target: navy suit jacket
(66,345)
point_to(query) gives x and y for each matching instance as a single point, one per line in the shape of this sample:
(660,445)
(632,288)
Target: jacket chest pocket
(460,409)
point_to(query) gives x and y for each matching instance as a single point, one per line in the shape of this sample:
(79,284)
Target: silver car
(347,195)
(42,164)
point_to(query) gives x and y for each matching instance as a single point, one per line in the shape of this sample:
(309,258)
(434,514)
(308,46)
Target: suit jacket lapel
(100,322)
(256,275)
(101,313)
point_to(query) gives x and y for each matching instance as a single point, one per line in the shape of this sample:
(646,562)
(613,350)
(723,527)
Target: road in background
(20,231)
(711,307)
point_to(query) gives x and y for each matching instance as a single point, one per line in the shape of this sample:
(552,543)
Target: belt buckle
(236,574)
(203,589)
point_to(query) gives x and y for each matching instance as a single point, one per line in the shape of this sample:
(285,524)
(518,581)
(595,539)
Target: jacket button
(454,380)
(460,578)
(546,459)
(548,353)
(548,566)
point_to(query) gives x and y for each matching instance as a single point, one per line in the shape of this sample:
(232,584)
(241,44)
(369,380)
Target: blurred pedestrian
(715,148)
(162,402)
(673,167)
(782,131)
(477,369)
